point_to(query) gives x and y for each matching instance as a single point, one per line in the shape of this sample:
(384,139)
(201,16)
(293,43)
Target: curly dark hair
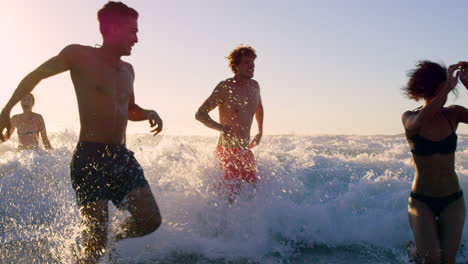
(114,13)
(236,54)
(424,80)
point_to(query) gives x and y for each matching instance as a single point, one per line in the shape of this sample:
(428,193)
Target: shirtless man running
(238,100)
(102,168)
(29,125)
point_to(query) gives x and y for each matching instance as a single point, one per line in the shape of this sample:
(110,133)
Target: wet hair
(236,54)
(114,13)
(424,80)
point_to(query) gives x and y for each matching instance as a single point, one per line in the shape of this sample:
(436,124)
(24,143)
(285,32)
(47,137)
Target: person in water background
(238,100)
(29,126)
(436,207)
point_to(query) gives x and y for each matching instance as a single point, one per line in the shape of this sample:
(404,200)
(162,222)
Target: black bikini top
(29,132)
(423,147)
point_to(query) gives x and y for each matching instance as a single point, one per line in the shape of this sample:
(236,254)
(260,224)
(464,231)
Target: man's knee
(144,210)
(151,223)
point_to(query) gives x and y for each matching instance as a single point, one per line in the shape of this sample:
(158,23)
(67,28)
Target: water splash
(320,198)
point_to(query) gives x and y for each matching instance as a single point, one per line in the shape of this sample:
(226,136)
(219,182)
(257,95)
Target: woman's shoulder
(409,113)
(412,112)
(410,121)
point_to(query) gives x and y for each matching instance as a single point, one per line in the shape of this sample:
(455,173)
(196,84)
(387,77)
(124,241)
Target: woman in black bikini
(436,206)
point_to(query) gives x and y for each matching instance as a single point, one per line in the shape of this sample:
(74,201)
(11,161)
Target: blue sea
(320,199)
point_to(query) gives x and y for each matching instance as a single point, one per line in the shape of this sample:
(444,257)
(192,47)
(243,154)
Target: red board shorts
(238,165)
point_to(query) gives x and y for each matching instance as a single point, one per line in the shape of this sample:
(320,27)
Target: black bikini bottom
(437,204)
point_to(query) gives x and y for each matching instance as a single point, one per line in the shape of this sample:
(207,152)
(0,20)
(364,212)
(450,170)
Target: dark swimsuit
(28,132)
(437,204)
(104,172)
(423,147)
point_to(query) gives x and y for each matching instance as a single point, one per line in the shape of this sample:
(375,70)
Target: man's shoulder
(75,52)
(228,80)
(255,84)
(222,84)
(128,66)
(222,88)
(227,83)
(77,48)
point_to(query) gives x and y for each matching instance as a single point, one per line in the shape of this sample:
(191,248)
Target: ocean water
(320,199)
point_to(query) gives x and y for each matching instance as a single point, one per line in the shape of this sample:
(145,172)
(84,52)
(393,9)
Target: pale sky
(324,67)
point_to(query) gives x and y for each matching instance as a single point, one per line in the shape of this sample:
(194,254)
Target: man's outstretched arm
(55,65)
(202,115)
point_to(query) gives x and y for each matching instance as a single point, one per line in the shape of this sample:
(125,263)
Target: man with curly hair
(238,100)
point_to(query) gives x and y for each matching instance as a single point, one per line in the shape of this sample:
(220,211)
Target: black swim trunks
(104,172)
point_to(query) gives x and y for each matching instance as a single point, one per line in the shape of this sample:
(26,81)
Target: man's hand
(256,140)
(226,130)
(5,123)
(155,121)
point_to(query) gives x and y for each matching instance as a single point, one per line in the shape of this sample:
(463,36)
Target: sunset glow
(322,68)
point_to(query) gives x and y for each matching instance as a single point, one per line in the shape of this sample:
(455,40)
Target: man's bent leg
(94,217)
(145,216)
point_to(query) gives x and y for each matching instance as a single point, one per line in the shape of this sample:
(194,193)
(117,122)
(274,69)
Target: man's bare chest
(241,101)
(100,79)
